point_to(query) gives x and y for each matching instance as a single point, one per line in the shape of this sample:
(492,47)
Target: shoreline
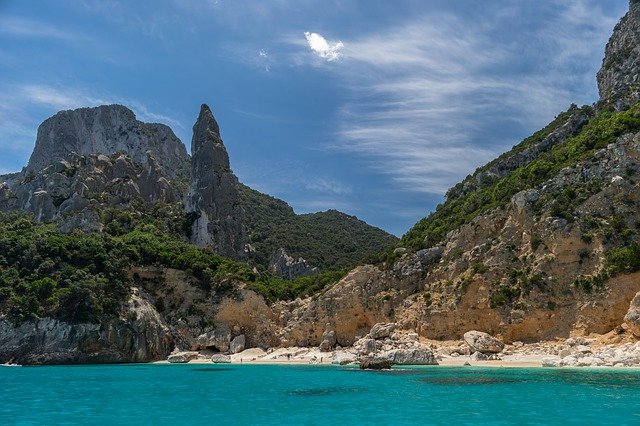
(595,352)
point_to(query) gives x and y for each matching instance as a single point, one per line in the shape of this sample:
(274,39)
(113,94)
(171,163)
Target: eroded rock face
(72,192)
(218,339)
(139,335)
(482,342)
(107,129)
(619,76)
(213,195)
(632,318)
(285,266)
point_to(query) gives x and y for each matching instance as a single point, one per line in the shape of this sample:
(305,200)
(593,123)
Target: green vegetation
(83,277)
(623,259)
(276,288)
(330,240)
(465,206)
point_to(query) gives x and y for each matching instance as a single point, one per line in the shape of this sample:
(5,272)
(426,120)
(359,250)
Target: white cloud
(430,99)
(321,47)
(58,99)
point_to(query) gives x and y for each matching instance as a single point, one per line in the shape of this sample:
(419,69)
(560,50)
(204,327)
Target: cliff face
(619,77)
(107,129)
(213,198)
(139,335)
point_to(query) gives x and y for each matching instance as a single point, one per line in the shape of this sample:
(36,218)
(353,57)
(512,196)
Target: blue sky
(371,107)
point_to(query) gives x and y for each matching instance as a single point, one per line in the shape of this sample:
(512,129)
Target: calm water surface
(314,395)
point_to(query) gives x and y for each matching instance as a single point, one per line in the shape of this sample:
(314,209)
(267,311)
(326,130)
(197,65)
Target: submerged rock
(375,363)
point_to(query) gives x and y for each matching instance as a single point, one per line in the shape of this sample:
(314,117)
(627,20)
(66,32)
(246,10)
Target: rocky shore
(383,346)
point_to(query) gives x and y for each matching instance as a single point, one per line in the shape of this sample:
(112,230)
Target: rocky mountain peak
(206,118)
(107,129)
(213,199)
(619,77)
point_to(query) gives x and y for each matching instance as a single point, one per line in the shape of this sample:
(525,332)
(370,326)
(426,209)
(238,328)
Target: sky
(370,107)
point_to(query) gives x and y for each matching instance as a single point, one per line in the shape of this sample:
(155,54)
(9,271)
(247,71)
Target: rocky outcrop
(107,129)
(522,156)
(632,317)
(73,191)
(212,200)
(217,339)
(287,267)
(139,335)
(482,342)
(619,77)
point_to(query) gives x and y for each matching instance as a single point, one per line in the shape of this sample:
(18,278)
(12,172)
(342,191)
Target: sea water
(315,395)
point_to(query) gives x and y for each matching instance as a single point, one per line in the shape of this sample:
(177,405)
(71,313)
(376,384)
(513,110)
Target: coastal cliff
(541,244)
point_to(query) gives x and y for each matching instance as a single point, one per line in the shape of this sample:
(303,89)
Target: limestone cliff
(72,192)
(138,335)
(213,198)
(619,79)
(107,129)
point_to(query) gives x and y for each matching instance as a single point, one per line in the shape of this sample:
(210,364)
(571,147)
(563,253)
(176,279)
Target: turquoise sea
(314,395)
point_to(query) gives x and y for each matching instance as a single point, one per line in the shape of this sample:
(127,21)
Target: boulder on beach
(344,358)
(182,357)
(382,330)
(416,356)
(482,342)
(220,359)
(237,344)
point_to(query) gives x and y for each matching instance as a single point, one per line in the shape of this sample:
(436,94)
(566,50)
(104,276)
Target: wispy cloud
(21,27)
(321,47)
(437,97)
(58,99)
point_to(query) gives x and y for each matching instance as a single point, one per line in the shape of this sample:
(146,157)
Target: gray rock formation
(182,357)
(139,335)
(73,191)
(213,195)
(632,318)
(329,340)
(416,356)
(482,342)
(285,266)
(382,330)
(619,79)
(218,339)
(220,359)
(238,344)
(107,129)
